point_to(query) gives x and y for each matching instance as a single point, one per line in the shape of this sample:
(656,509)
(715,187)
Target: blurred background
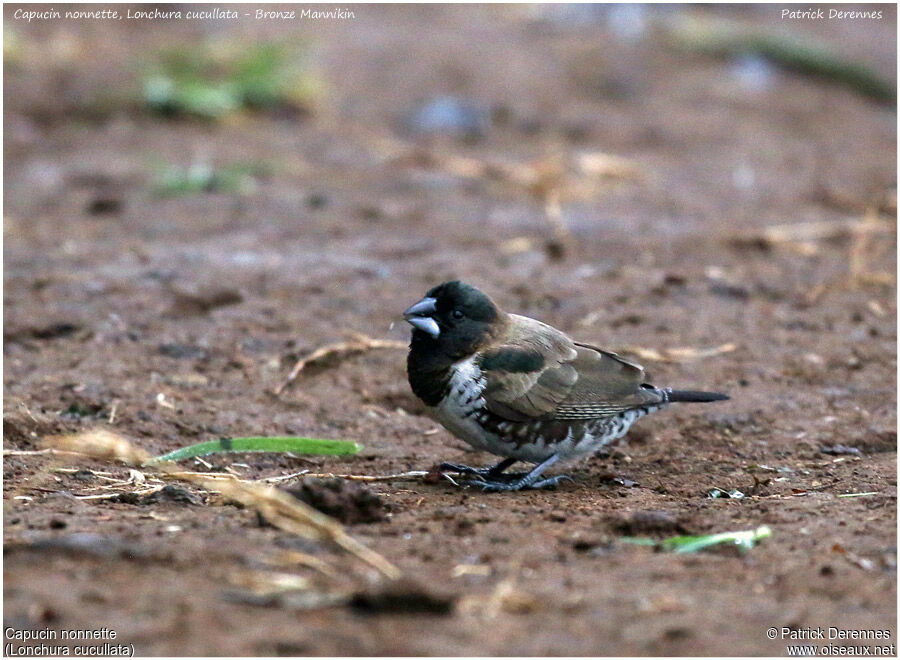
(193,205)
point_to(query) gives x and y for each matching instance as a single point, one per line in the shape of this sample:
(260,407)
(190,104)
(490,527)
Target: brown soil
(114,296)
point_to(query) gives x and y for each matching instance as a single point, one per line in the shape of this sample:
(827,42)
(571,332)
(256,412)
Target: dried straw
(278,507)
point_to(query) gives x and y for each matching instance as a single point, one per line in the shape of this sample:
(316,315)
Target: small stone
(451,116)
(182,351)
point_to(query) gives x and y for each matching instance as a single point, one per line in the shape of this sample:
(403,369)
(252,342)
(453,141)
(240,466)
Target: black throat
(428,368)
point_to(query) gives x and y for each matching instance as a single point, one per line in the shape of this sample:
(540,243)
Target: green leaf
(283,444)
(681,544)
(202,177)
(209,83)
(787,49)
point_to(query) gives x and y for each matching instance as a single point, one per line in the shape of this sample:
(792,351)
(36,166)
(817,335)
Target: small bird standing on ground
(518,388)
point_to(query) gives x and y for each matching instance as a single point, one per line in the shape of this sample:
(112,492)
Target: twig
(268,583)
(677,354)
(860,562)
(285,477)
(28,412)
(824,230)
(109,496)
(213,476)
(412,476)
(38,452)
(291,557)
(208,466)
(358,343)
(63,470)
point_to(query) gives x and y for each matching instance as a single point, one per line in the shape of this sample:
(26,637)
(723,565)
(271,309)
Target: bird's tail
(693,396)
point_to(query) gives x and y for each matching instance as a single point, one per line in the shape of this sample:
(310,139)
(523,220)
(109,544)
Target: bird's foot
(532,480)
(492,479)
(520,484)
(494,471)
(465,469)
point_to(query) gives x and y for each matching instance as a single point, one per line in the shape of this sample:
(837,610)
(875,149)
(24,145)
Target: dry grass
(357,344)
(550,181)
(677,354)
(276,506)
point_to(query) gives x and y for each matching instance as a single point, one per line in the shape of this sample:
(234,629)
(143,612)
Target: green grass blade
(293,444)
(790,50)
(682,544)
(630,540)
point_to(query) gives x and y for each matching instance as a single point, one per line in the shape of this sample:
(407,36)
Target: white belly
(457,410)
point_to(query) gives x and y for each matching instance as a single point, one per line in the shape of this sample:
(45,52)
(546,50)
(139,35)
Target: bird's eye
(457,314)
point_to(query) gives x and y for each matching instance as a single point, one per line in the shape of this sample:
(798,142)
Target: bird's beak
(419,316)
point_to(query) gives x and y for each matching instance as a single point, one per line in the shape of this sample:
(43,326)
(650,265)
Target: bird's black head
(453,319)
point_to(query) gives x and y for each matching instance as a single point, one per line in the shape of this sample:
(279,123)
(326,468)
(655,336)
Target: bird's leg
(531,480)
(490,471)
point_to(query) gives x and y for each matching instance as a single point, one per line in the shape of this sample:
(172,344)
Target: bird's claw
(521,484)
(491,471)
(465,469)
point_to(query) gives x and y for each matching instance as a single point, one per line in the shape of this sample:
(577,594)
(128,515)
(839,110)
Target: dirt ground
(171,321)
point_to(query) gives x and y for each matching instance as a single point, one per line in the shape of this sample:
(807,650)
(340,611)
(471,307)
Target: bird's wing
(528,371)
(537,372)
(607,385)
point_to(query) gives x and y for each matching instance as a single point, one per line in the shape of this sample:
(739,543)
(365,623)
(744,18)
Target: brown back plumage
(534,371)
